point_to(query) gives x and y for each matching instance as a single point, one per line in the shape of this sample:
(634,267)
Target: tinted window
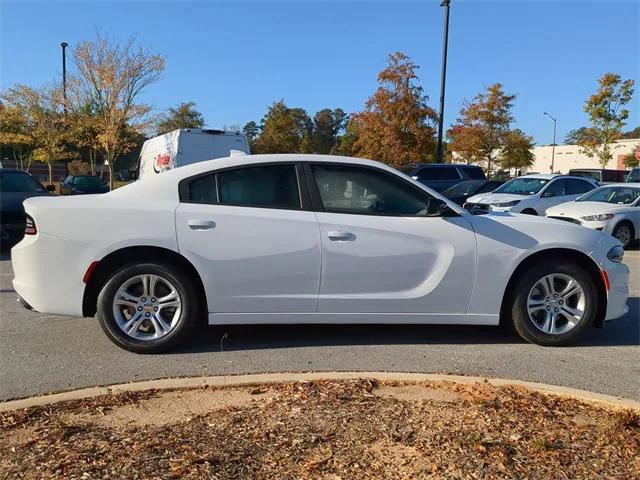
(203,190)
(634,176)
(523,186)
(460,189)
(367,191)
(475,173)
(557,188)
(576,187)
(489,187)
(18,182)
(438,173)
(407,169)
(274,186)
(88,182)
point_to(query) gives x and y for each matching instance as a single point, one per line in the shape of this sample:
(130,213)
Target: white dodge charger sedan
(307,239)
(613,209)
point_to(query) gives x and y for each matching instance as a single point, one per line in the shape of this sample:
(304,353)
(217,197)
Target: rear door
(255,245)
(381,251)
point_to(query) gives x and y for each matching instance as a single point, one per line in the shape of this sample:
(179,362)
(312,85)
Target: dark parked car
(460,192)
(441,176)
(15,187)
(82,184)
(600,175)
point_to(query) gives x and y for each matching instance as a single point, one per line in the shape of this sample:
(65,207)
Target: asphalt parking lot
(44,353)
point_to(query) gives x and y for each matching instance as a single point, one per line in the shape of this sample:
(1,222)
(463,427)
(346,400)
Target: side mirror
(548,194)
(51,188)
(439,208)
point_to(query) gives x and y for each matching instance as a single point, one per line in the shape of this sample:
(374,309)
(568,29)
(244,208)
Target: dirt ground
(326,430)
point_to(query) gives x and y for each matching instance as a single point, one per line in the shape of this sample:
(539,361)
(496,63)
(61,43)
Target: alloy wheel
(556,303)
(147,307)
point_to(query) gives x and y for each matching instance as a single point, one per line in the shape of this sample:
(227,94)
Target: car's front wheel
(624,232)
(148,308)
(555,302)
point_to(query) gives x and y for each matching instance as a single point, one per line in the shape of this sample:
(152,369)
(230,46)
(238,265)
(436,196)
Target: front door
(254,246)
(383,248)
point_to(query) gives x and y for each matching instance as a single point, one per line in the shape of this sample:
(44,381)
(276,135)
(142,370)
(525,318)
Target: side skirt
(352,318)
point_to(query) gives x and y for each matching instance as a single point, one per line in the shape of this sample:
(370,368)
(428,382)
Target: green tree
(574,137)
(483,126)
(283,130)
(252,132)
(15,134)
(346,143)
(631,159)
(111,76)
(635,133)
(607,115)
(517,151)
(397,124)
(327,125)
(183,115)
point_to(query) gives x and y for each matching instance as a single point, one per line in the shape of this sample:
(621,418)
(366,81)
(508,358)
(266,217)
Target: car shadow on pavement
(621,332)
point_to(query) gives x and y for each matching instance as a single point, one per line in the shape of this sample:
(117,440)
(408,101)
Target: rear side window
(273,186)
(474,173)
(438,173)
(203,190)
(576,187)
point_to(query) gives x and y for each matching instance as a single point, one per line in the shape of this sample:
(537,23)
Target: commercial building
(570,156)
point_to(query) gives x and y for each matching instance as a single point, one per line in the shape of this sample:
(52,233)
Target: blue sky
(235,58)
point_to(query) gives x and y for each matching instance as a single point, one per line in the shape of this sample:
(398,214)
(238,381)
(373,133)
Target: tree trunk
(110,175)
(50,173)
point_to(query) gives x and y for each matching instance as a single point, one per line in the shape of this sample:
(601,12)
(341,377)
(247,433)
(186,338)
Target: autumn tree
(607,114)
(630,160)
(183,115)
(517,151)
(44,126)
(110,77)
(634,133)
(83,125)
(284,130)
(15,134)
(483,127)
(397,124)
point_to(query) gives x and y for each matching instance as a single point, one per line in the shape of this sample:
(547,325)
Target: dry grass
(323,430)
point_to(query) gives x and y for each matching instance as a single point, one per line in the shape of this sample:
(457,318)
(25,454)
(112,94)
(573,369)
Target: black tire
(189,312)
(525,326)
(529,211)
(627,239)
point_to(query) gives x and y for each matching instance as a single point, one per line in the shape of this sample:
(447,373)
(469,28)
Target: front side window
(555,189)
(577,187)
(18,182)
(522,186)
(366,191)
(272,186)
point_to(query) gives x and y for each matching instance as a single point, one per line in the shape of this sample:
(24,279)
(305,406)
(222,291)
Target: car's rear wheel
(555,302)
(148,308)
(624,232)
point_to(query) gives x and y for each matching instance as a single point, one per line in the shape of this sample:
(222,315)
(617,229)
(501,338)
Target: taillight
(30,226)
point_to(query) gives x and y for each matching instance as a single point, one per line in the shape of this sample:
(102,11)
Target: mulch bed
(327,430)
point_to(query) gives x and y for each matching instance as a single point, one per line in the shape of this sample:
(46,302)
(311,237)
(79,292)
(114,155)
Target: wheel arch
(557,253)
(626,221)
(99,275)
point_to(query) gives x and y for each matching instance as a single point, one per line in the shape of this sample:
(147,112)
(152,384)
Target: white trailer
(186,146)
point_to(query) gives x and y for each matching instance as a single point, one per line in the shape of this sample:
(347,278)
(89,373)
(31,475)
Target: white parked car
(613,209)
(307,239)
(531,194)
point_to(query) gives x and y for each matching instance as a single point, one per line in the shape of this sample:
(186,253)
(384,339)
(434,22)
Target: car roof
(551,176)
(462,165)
(621,184)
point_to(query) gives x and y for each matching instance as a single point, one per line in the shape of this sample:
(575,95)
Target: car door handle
(202,224)
(339,236)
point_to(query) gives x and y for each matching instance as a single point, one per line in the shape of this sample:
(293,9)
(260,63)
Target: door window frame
(316,199)
(303,191)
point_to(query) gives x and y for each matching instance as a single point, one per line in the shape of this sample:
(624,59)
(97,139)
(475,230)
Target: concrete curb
(267,378)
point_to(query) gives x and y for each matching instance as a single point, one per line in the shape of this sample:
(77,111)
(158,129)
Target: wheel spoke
(159,325)
(548,319)
(535,305)
(170,297)
(127,302)
(548,281)
(570,290)
(172,303)
(132,325)
(574,313)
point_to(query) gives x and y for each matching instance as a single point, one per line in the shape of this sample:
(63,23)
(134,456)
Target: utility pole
(553,147)
(64,46)
(443,78)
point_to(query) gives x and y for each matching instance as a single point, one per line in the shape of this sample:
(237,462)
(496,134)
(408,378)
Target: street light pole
(443,78)
(553,147)
(64,46)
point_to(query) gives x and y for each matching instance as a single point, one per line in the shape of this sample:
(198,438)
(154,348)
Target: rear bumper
(46,280)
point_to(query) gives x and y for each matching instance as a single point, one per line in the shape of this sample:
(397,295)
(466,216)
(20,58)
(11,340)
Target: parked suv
(531,194)
(440,176)
(634,175)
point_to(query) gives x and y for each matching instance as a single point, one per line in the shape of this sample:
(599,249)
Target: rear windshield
(85,182)
(522,186)
(596,175)
(475,173)
(19,182)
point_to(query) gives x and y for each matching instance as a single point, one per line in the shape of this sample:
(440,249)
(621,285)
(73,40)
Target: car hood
(495,197)
(12,201)
(578,209)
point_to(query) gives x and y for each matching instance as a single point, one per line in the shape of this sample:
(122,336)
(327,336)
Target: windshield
(522,186)
(619,195)
(19,182)
(460,189)
(88,182)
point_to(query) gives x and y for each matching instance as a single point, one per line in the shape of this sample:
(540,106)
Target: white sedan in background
(613,209)
(530,194)
(307,239)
